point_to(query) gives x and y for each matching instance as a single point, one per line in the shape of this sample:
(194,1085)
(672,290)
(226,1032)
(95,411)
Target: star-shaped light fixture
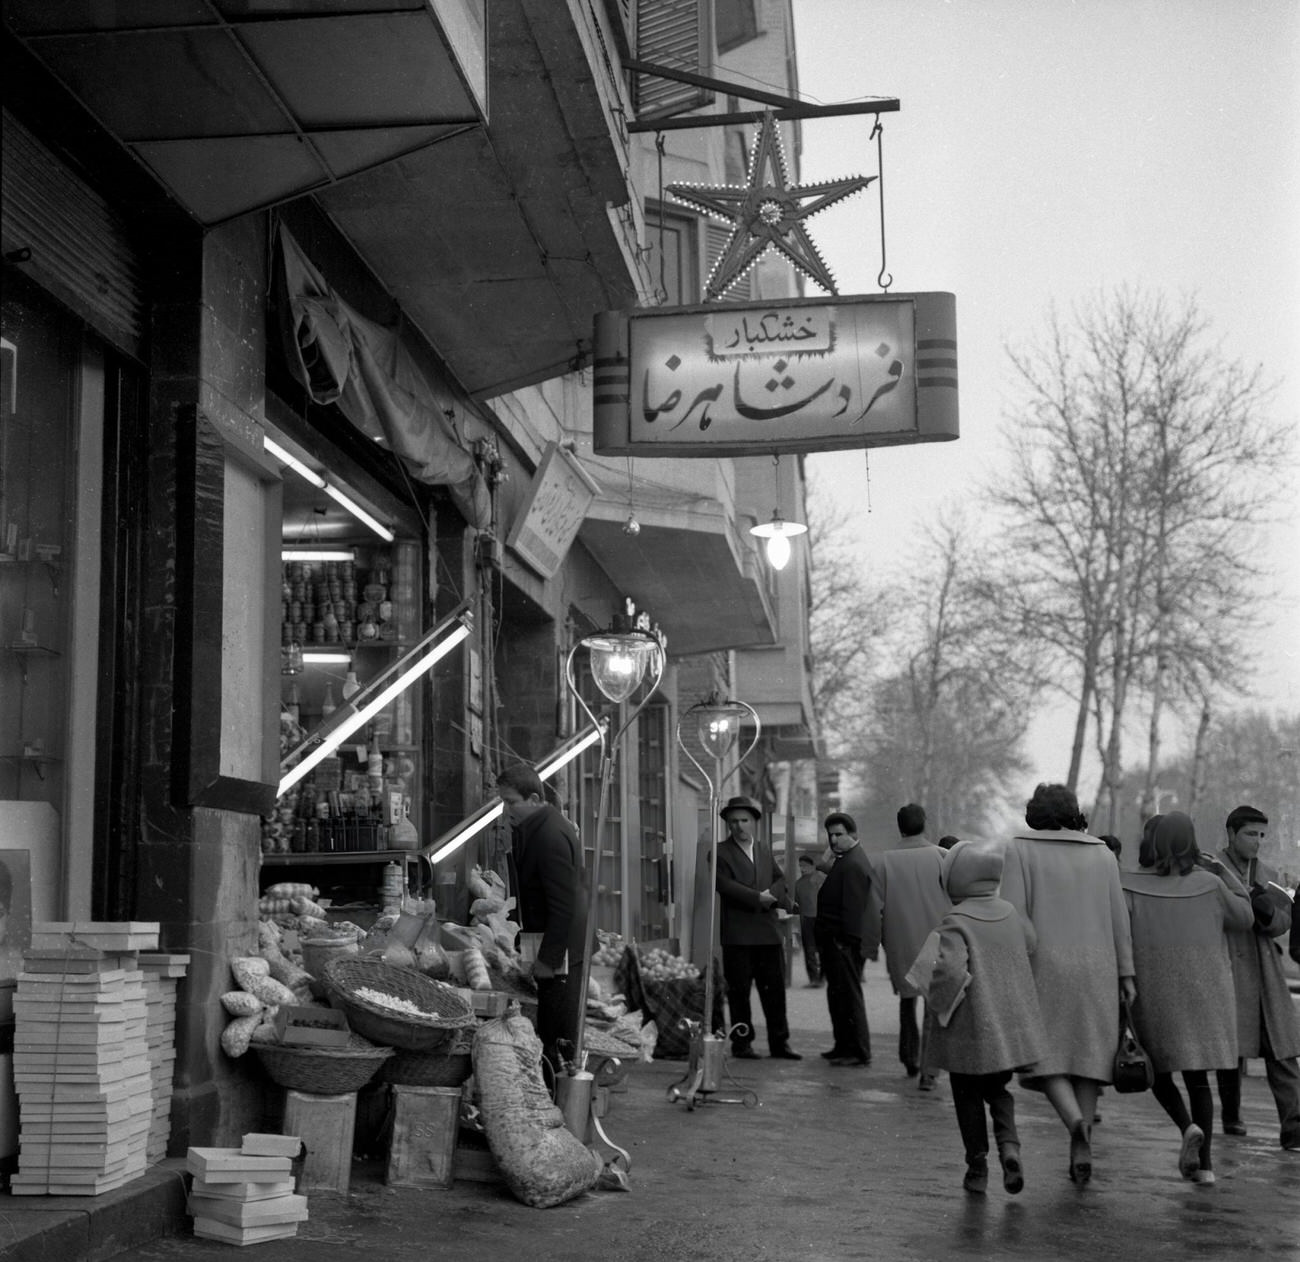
(768,213)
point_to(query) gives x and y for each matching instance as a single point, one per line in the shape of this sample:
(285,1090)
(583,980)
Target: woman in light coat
(1066,884)
(1185,1015)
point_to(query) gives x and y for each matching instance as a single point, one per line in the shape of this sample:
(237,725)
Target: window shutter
(716,236)
(79,247)
(676,34)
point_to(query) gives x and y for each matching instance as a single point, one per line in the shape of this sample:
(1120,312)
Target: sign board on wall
(797,375)
(557,501)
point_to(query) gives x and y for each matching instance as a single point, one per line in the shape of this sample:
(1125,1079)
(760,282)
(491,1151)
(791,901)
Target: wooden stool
(325,1124)
(426,1122)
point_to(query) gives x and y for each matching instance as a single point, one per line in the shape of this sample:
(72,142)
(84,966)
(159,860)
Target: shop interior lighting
(777,533)
(326,656)
(364,705)
(476,823)
(317,554)
(310,475)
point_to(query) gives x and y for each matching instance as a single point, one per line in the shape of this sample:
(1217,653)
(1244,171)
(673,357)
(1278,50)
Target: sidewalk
(833,1163)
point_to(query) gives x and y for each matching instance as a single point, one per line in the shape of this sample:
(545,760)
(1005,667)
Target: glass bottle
(292,707)
(350,685)
(328,705)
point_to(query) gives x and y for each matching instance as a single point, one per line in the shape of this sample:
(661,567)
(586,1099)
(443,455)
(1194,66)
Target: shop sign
(798,375)
(557,502)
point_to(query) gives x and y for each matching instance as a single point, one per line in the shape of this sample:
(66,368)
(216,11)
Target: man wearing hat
(750,890)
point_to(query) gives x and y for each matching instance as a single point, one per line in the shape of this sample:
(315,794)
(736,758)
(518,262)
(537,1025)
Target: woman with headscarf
(1066,884)
(975,973)
(1185,1016)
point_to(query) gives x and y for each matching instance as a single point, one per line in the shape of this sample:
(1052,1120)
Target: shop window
(675,254)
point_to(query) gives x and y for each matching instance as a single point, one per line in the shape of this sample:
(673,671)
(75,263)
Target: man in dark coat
(751,889)
(546,872)
(848,934)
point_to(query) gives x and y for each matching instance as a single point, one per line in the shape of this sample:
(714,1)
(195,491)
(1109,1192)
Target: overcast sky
(1044,150)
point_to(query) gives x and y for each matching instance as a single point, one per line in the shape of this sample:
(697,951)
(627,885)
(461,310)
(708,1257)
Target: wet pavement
(832,1163)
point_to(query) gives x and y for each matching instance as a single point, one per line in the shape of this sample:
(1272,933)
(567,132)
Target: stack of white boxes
(245,1195)
(81,1066)
(160,975)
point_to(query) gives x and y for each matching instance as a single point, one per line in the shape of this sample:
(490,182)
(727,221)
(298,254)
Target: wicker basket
(442,1010)
(429,1069)
(323,1070)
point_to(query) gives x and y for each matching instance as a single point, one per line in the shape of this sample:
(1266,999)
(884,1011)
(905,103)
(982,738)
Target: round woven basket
(323,1070)
(441,1011)
(428,1069)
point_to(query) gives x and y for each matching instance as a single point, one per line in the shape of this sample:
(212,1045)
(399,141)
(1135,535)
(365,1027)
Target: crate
(303,1026)
(426,1121)
(485,1003)
(325,1124)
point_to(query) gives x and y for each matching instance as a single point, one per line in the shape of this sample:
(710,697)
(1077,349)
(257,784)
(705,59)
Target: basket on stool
(428,1069)
(323,1070)
(441,1011)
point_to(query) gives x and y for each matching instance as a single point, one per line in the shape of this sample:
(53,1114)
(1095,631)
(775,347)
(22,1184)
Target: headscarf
(972,869)
(1174,844)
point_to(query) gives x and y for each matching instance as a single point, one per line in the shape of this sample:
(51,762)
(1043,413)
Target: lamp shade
(718,726)
(777,533)
(619,661)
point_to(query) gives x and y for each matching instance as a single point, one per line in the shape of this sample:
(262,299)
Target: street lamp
(716,723)
(622,660)
(778,532)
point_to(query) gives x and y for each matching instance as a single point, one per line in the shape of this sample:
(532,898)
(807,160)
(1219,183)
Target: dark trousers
(762,967)
(911,1036)
(558,1008)
(1283,1080)
(808,940)
(1199,1098)
(970,1093)
(842,962)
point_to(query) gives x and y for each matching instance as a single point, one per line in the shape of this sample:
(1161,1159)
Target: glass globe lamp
(619,661)
(777,534)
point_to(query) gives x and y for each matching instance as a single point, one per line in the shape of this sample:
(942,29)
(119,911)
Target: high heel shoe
(1080,1153)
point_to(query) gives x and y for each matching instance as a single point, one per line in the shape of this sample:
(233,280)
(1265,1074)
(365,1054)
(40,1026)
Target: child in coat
(975,973)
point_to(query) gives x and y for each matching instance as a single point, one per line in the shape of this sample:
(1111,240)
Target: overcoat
(1257,975)
(1185,1013)
(909,885)
(847,903)
(997,1025)
(548,878)
(740,881)
(1066,884)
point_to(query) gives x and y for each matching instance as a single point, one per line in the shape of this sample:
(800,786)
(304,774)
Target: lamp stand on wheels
(717,725)
(619,661)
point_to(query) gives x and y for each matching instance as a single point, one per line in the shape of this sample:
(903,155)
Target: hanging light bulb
(778,534)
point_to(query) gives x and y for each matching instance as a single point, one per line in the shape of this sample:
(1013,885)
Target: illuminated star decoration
(767,214)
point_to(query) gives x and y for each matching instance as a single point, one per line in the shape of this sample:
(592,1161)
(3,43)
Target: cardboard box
(306,1026)
(485,1003)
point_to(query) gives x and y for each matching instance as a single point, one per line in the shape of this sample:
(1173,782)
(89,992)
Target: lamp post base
(704,1075)
(582,1105)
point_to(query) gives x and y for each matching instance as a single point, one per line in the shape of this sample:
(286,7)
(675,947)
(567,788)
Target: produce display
(661,966)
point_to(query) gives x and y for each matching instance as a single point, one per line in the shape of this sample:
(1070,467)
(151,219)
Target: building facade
(285,279)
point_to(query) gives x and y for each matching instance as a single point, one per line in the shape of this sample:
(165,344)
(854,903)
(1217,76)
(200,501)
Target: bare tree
(1133,502)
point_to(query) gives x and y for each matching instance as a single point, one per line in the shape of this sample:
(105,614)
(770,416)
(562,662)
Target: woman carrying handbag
(1184,1014)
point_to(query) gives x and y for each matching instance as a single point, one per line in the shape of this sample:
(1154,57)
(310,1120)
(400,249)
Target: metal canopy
(239,104)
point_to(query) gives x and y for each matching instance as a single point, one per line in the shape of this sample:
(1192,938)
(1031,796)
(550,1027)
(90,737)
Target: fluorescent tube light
(486,813)
(359,513)
(325,655)
(285,457)
(331,741)
(317,554)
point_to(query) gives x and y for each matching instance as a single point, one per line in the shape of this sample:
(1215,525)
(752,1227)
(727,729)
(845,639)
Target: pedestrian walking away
(1184,1015)
(752,892)
(1066,883)
(912,901)
(975,972)
(1266,1020)
(848,934)
(805,903)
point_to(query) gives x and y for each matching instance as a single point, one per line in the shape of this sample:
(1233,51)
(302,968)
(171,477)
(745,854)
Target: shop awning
(499,224)
(689,568)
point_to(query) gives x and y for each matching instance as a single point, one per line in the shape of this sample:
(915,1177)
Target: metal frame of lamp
(717,725)
(776,535)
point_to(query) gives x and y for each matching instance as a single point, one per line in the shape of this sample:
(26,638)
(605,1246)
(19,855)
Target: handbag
(1132,1070)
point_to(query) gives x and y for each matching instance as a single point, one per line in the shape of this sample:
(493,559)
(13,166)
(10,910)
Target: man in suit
(751,890)
(548,882)
(848,934)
